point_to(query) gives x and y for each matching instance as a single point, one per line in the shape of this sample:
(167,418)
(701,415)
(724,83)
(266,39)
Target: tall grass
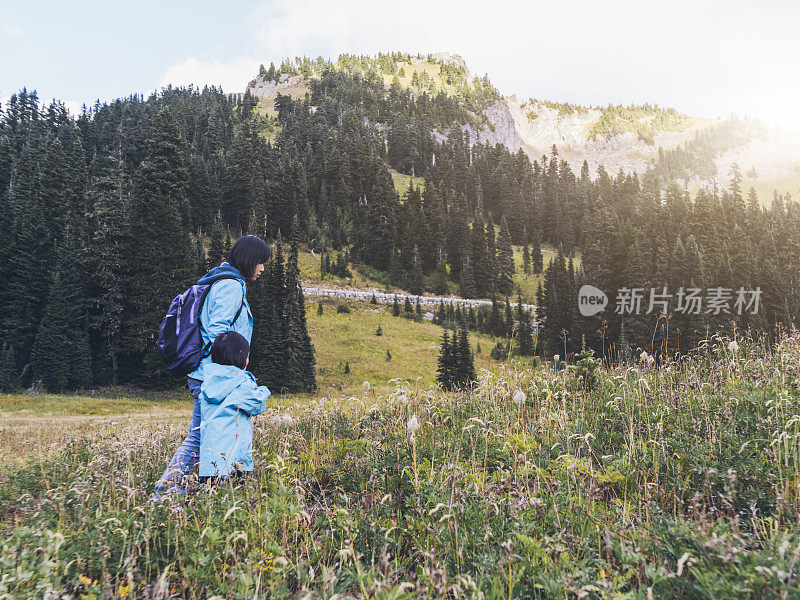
(679,481)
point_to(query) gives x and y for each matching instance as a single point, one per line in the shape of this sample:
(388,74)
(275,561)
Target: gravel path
(384,298)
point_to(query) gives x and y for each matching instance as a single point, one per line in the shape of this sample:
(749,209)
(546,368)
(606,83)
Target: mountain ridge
(618,138)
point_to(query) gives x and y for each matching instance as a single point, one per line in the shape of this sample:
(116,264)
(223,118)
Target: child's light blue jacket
(229,399)
(221,305)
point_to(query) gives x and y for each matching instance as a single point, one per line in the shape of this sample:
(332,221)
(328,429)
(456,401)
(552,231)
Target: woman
(225,309)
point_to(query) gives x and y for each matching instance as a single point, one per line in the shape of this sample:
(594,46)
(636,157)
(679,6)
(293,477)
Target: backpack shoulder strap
(208,289)
(239,312)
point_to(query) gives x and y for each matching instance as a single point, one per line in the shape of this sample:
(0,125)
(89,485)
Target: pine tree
(160,255)
(408,308)
(61,356)
(415,285)
(524,329)
(8,369)
(267,297)
(526,259)
(107,256)
(395,307)
(444,370)
(216,247)
(440,274)
(468,286)
(537,258)
(505,260)
(301,374)
(29,268)
(465,361)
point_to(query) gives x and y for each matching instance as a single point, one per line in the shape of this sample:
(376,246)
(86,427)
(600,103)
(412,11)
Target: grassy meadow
(677,481)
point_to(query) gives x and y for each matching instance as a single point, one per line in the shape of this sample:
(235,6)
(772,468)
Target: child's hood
(221,380)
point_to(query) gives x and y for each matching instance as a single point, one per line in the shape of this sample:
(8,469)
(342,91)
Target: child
(229,399)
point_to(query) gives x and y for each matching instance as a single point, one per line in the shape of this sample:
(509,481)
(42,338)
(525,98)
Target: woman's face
(259,269)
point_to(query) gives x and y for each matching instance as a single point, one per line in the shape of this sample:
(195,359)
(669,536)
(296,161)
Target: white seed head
(366,386)
(287,420)
(413,425)
(733,347)
(519,397)
(556,358)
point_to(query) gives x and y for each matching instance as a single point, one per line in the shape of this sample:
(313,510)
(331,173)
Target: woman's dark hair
(247,252)
(230,348)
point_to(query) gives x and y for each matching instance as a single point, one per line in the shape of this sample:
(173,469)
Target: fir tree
(468,287)
(415,280)
(160,255)
(216,247)
(464,360)
(537,258)
(444,370)
(505,260)
(61,356)
(8,369)
(107,256)
(300,376)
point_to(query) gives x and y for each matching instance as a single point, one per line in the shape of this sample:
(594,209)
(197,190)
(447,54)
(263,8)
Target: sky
(704,57)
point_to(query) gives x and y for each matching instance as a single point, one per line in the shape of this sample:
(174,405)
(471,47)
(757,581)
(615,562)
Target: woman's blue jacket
(220,306)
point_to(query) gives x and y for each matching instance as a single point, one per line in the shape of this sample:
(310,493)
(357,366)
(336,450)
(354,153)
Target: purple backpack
(179,339)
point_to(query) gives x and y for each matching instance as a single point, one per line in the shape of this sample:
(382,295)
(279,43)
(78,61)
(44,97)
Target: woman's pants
(188,453)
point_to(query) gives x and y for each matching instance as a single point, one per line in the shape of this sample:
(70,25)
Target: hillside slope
(620,138)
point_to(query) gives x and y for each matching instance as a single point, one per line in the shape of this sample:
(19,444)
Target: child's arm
(254,400)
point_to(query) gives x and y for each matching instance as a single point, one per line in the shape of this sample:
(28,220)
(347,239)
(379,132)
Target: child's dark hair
(230,348)
(247,252)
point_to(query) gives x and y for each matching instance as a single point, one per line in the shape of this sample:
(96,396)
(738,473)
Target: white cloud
(232,75)
(12,30)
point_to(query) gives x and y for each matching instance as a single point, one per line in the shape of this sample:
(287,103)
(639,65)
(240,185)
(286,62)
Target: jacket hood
(224,268)
(221,380)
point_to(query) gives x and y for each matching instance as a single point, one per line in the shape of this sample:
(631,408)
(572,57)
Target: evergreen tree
(468,287)
(444,370)
(464,360)
(301,374)
(537,258)
(216,247)
(415,285)
(160,255)
(526,259)
(107,257)
(61,356)
(267,297)
(505,260)
(8,369)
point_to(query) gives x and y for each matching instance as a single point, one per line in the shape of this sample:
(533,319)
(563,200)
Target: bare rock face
(453,59)
(268,90)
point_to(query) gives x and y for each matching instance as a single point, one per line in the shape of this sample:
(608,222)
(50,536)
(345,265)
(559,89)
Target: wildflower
(413,426)
(733,347)
(643,357)
(365,387)
(556,357)
(287,420)
(519,397)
